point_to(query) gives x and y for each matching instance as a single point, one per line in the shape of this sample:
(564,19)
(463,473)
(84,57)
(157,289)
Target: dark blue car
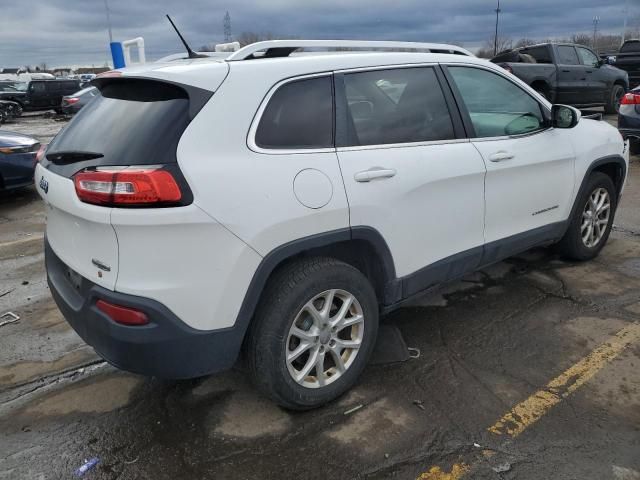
(629,118)
(17,160)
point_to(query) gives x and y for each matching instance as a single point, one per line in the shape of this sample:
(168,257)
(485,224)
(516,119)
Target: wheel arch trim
(617,160)
(281,254)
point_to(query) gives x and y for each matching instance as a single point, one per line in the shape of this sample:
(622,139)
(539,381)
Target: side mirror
(564,116)
(611,60)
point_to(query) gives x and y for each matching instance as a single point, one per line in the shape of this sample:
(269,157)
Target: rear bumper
(166,348)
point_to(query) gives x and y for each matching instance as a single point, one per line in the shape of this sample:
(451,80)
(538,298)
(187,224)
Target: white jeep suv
(277,204)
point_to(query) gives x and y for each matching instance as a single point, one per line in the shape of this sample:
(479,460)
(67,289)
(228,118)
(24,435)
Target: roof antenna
(191,53)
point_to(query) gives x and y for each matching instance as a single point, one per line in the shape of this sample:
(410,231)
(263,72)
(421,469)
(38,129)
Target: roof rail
(282,48)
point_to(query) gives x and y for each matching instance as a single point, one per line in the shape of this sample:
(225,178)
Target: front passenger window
(497,107)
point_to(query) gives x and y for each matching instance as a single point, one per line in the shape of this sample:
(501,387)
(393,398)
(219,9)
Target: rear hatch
(101,160)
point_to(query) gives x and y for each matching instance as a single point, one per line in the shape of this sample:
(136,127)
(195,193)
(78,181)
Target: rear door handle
(373,173)
(501,156)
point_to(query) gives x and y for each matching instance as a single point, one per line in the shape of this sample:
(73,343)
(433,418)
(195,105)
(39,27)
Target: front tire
(313,333)
(613,104)
(591,224)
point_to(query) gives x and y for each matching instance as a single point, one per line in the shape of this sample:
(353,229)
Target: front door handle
(501,156)
(373,173)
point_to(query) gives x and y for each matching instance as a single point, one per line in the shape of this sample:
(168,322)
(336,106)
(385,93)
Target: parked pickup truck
(568,74)
(628,59)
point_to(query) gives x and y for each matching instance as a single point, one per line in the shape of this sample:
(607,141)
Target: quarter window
(396,106)
(497,107)
(299,115)
(567,55)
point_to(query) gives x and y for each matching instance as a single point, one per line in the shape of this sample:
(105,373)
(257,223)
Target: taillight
(123,315)
(127,186)
(630,99)
(71,101)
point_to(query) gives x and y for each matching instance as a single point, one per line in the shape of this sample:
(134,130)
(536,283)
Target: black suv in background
(47,94)
(38,94)
(568,74)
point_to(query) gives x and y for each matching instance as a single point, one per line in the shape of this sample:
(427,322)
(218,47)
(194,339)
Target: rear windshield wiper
(72,156)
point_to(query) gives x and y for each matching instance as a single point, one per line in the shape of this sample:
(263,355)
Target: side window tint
(567,56)
(587,57)
(396,106)
(299,115)
(497,106)
(38,87)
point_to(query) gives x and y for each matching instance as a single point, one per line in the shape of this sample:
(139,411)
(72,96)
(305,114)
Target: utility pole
(227,27)
(495,39)
(624,25)
(596,19)
(106,6)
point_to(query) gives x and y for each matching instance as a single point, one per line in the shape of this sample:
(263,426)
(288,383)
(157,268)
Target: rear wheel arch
(361,247)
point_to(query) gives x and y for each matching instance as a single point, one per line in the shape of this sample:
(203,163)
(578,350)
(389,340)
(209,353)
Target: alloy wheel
(595,217)
(325,338)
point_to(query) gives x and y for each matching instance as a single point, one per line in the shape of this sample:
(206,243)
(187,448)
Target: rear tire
(591,224)
(613,104)
(293,318)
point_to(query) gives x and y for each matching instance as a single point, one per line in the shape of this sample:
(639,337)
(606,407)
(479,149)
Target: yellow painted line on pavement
(537,405)
(436,473)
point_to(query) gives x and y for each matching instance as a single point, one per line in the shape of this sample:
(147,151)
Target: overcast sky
(74,32)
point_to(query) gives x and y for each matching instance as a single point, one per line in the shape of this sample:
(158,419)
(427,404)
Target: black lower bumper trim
(166,347)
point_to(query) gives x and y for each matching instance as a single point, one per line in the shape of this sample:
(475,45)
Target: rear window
(540,54)
(133,122)
(629,47)
(299,115)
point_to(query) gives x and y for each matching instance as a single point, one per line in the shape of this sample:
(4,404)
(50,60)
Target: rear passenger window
(396,106)
(299,115)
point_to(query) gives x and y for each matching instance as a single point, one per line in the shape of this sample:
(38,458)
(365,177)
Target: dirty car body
(189,195)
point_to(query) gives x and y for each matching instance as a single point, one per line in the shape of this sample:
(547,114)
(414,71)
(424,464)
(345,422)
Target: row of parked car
(63,96)
(563,73)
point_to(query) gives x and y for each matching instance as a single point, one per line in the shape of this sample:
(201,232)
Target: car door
(597,88)
(529,183)
(37,94)
(409,172)
(571,76)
